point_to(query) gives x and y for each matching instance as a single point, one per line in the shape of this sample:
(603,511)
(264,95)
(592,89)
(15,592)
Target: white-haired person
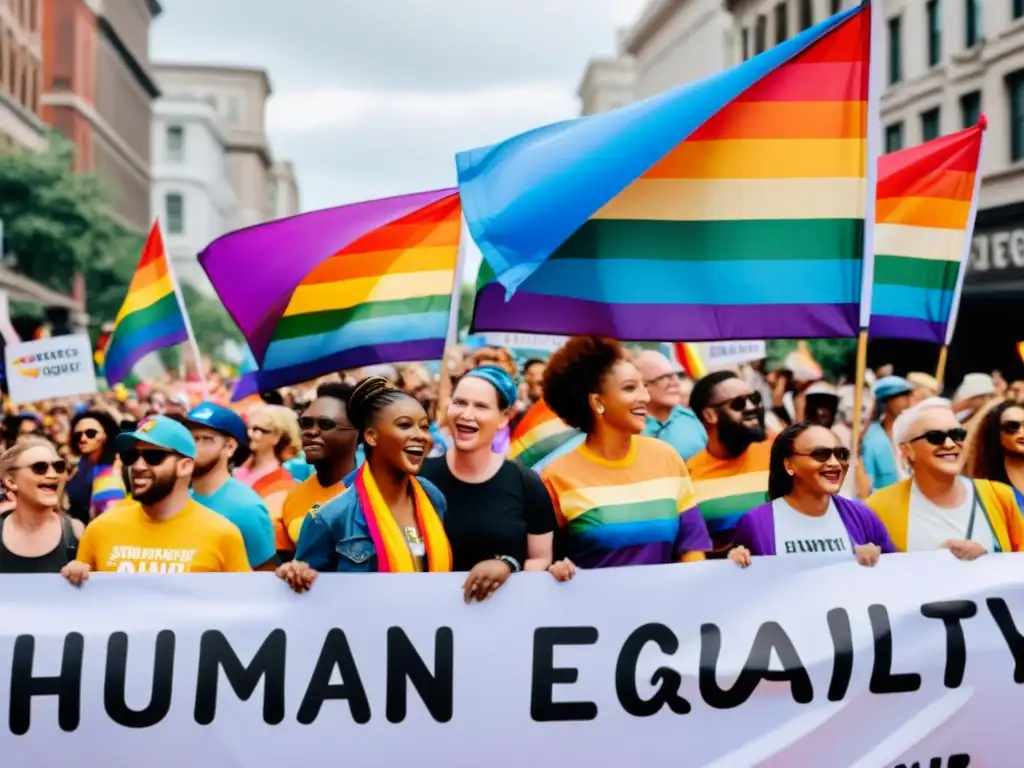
(937,507)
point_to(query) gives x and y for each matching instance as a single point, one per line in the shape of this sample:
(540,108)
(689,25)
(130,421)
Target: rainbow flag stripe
(927,199)
(541,437)
(691,360)
(151,317)
(750,228)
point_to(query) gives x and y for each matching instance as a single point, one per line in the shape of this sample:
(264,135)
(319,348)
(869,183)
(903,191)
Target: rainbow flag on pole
(927,205)
(729,209)
(152,316)
(341,288)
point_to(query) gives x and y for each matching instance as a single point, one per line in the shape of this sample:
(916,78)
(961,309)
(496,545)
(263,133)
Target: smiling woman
(389,520)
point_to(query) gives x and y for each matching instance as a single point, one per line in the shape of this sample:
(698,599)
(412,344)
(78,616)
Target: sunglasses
(940,436)
(1010,427)
(739,404)
(89,433)
(41,468)
(154,457)
(307,423)
(665,378)
(822,455)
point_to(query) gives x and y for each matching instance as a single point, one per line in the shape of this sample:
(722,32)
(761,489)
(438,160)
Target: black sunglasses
(40,468)
(822,455)
(154,457)
(940,436)
(739,404)
(1011,427)
(307,423)
(89,433)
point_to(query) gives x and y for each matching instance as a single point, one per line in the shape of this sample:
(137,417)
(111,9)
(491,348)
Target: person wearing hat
(162,529)
(881,460)
(221,441)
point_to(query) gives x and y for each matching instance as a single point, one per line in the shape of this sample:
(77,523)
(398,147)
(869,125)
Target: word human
(216,654)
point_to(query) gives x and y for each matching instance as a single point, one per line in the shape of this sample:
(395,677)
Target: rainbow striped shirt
(728,489)
(637,511)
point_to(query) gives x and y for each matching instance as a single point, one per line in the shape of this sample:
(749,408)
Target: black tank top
(65,551)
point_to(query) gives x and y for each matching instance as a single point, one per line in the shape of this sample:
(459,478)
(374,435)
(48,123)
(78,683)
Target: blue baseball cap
(161,431)
(889,387)
(219,419)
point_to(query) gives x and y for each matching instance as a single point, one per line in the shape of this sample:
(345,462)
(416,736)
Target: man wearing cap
(221,438)
(162,529)
(881,460)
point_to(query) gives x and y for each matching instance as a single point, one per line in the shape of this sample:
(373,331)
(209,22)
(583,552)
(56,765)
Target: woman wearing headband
(500,519)
(388,521)
(937,507)
(806,515)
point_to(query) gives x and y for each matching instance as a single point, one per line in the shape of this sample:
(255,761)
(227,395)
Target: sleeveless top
(51,562)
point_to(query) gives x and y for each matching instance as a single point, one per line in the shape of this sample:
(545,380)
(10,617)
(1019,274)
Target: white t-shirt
(930,526)
(800,534)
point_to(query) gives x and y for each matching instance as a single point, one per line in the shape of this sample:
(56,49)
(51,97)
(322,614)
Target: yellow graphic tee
(196,540)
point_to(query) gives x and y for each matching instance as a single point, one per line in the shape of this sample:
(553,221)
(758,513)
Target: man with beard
(163,529)
(329,443)
(221,440)
(730,476)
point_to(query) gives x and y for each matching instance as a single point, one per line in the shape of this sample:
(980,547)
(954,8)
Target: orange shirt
(307,497)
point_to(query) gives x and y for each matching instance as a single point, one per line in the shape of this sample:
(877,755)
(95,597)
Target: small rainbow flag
(343,288)
(690,359)
(750,225)
(927,204)
(152,316)
(541,437)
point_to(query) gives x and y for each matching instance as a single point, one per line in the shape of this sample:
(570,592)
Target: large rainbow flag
(152,316)
(732,209)
(341,288)
(927,204)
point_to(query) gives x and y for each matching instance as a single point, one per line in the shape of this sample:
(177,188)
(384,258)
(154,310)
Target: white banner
(720,354)
(534,341)
(793,662)
(58,366)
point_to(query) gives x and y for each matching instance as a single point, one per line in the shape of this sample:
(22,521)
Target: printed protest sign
(59,366)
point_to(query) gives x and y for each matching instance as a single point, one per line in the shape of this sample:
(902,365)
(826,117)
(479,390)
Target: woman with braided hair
(388,521)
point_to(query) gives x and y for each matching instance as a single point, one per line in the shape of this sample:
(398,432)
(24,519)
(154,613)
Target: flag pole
(192,343)
(972,218)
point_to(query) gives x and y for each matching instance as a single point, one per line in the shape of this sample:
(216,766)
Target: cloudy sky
(373,97)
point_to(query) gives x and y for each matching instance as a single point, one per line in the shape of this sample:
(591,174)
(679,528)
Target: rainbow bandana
(393,555)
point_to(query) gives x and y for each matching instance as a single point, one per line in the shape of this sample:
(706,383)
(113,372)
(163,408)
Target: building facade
(21,74)
(284,190)
(239,96)
(608,83)
(98,89)
(192,196)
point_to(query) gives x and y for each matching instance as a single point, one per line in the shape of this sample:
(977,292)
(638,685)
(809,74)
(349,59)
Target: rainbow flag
(690,359)
(342,288)
(152,316)
(541,437)
(924,223)
(730,209)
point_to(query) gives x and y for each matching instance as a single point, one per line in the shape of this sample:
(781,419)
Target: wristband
(511,562)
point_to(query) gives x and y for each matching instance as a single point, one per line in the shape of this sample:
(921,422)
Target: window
(972,23)
(806,14)
(781,23)
(837,6)
(746,43)
(1018,8)
(175,143)
(894,137)
(895,49)
(931,124)
(970,109)
(1015,84)
(761,34)
(174,205)
(934,32)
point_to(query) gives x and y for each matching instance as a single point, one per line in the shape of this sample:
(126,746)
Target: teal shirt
(879,458)
(243,506)
(682,430)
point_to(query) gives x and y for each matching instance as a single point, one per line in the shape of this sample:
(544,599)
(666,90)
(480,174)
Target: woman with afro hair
(619,498)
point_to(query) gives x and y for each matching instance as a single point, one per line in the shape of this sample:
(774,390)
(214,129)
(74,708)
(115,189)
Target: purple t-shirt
(756,529)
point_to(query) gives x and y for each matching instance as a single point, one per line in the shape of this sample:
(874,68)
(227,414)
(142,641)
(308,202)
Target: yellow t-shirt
(196,540)
(303,499)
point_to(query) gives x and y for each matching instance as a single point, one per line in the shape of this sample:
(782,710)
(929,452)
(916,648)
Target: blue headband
(500,380)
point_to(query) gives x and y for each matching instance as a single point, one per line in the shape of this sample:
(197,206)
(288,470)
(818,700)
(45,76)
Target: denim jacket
(337,538)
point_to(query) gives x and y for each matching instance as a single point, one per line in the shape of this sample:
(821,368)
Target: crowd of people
(393,469)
